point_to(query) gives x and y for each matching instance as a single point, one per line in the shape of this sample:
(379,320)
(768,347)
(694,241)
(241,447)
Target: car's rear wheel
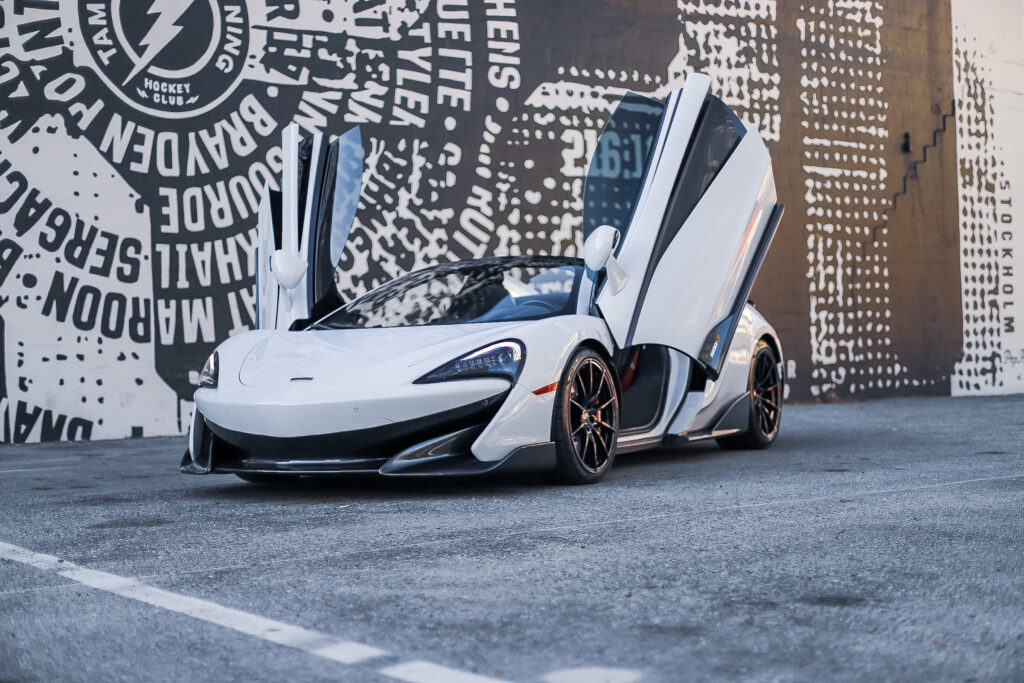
(765,388)
(586,419)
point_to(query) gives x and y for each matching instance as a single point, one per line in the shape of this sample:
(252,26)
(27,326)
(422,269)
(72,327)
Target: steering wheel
(547,306)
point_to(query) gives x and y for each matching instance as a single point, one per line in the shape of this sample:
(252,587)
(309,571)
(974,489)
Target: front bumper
(433,445)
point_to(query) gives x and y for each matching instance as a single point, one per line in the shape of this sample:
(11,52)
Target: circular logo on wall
(169,58)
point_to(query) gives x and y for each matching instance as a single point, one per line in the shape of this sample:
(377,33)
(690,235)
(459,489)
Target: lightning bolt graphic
(163,31)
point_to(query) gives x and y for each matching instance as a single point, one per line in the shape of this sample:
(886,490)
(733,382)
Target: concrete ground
(875,541)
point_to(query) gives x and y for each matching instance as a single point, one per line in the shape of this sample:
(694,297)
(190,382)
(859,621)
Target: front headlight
(503,359)
(208,375)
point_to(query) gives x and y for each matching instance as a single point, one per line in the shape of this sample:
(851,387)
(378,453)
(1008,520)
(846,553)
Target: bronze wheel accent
(766,394)
(592,414)
(764,387)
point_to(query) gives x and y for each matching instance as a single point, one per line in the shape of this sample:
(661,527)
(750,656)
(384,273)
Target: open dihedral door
(691,190)
(302,229)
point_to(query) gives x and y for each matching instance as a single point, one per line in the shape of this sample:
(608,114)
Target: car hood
(349,357)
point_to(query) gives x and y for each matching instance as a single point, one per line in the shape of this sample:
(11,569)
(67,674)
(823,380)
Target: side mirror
(599,247)
(287,267)
(597,255)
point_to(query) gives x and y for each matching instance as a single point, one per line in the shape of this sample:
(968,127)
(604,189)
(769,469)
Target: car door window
(716,135)
(620,162)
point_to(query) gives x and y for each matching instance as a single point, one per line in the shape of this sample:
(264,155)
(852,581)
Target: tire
(764,385)
(586,419)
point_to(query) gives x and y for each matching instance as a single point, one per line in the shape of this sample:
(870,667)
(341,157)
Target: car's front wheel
(586,419)
(764,385)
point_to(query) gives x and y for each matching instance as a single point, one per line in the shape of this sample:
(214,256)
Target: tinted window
(719,130)
(336,197)
(715,136)
(305,153)
(485,290)
(620,162)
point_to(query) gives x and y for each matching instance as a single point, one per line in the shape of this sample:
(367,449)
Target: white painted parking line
(593,674)
(36,469)
(315,643)
(427,672)
(31,460)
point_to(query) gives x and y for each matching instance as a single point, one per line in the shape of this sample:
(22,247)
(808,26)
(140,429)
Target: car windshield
(478,291)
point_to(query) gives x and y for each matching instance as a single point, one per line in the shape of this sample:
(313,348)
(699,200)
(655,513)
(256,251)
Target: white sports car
(542,362)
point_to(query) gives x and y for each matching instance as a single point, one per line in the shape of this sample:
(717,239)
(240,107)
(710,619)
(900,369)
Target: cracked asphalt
(876,540)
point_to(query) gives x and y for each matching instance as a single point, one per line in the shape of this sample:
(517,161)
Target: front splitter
(434,445)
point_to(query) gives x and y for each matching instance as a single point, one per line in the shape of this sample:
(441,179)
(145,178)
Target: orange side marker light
(546,390)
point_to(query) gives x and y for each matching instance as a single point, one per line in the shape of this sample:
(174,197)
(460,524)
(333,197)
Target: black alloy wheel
(586,420)
(765,389)
(766,394)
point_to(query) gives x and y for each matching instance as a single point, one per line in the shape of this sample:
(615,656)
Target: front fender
(525,416)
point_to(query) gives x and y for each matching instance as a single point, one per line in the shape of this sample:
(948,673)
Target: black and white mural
(989,67)
(136,136)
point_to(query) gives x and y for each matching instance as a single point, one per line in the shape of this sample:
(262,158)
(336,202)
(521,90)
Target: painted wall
(989,68)
(134,139)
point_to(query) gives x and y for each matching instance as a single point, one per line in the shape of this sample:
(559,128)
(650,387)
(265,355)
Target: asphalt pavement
(875,541)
